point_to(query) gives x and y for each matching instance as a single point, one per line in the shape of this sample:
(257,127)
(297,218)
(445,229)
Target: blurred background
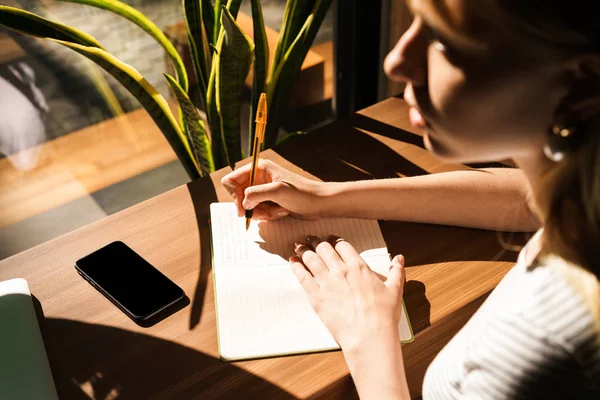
(75,146)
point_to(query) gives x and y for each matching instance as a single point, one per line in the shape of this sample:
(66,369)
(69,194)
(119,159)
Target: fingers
(254,195)
(397,273)
(304,277)
(348,253)
(269,211)
(327,253)
(236,181)
(241,176)
(312,260)
(237,193)
(398,259)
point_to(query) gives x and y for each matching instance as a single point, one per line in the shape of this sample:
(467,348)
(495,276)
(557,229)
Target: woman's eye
(440,44)
(437,41)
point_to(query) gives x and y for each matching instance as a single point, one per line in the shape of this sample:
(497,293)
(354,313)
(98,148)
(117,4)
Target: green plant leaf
(232,66)
(289,137)
(261,63)
(233,6)
(281,79)
(27,23)
(290,6)
(281,83)
(296,13)
(217,26)
(156,106)
(192,10)
(89,77)
(298,17)
(214,121)
(208,17)
(196,130)
(319,11)
(147,25)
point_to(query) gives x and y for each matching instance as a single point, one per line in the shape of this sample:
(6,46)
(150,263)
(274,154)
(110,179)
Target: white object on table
(24,368)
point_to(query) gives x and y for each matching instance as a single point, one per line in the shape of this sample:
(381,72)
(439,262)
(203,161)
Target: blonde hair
(568,200)
(569,203)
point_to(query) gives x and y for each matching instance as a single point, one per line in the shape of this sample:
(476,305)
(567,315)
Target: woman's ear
(582,100)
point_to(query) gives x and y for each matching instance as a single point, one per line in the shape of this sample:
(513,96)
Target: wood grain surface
(96,351)
(80,163)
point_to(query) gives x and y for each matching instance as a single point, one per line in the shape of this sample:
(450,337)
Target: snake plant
(222,55)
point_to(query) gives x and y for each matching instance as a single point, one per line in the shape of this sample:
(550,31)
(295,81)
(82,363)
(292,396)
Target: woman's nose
(407,61)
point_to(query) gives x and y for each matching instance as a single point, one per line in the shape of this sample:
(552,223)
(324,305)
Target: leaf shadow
(351,154)
(202,192)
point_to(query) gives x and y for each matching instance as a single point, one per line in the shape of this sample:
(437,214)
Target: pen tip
(247,223)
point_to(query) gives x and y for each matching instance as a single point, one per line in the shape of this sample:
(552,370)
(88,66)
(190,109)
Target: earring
(558,142)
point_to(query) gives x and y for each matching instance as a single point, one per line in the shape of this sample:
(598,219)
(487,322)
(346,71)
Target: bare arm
(495,198)
(378,368)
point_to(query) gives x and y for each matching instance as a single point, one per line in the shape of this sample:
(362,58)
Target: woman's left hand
(351,300)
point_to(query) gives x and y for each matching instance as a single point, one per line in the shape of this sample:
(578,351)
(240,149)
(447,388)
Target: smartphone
(130,282)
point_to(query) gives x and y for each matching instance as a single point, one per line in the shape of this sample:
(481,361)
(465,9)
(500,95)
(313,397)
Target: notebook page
(261,308)
(272,243)
(263,311)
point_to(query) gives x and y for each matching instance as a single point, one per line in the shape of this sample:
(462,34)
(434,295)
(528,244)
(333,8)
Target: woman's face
(482,90)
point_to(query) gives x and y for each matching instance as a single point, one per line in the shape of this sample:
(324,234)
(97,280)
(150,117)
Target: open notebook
(262,311)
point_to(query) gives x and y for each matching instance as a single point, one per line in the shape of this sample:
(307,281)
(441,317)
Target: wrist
(377,367)
(372,343)
(327,194)
(330,198)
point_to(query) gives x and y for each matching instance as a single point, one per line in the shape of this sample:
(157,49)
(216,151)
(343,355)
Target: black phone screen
(129,280)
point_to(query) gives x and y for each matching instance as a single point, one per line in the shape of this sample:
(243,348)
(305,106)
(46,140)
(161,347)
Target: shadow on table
(381,128)
(102,362)
(423,244)
(343,152)
(418,307)
(350,154)
(202,192)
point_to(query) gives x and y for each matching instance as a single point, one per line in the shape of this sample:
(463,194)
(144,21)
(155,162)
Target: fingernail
(246,204)
(282,213)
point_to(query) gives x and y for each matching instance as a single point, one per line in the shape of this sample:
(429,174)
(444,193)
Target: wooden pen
(259,135)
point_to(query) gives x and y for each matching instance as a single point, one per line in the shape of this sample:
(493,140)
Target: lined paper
(262,310)
(268,243)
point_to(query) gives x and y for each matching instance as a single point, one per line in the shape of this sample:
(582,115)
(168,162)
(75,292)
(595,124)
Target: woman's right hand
(276,192)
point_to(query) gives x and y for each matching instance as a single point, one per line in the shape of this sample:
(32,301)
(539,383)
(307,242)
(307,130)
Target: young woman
(487,80)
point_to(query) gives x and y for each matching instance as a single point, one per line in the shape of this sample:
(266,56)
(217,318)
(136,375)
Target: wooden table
(95,350)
